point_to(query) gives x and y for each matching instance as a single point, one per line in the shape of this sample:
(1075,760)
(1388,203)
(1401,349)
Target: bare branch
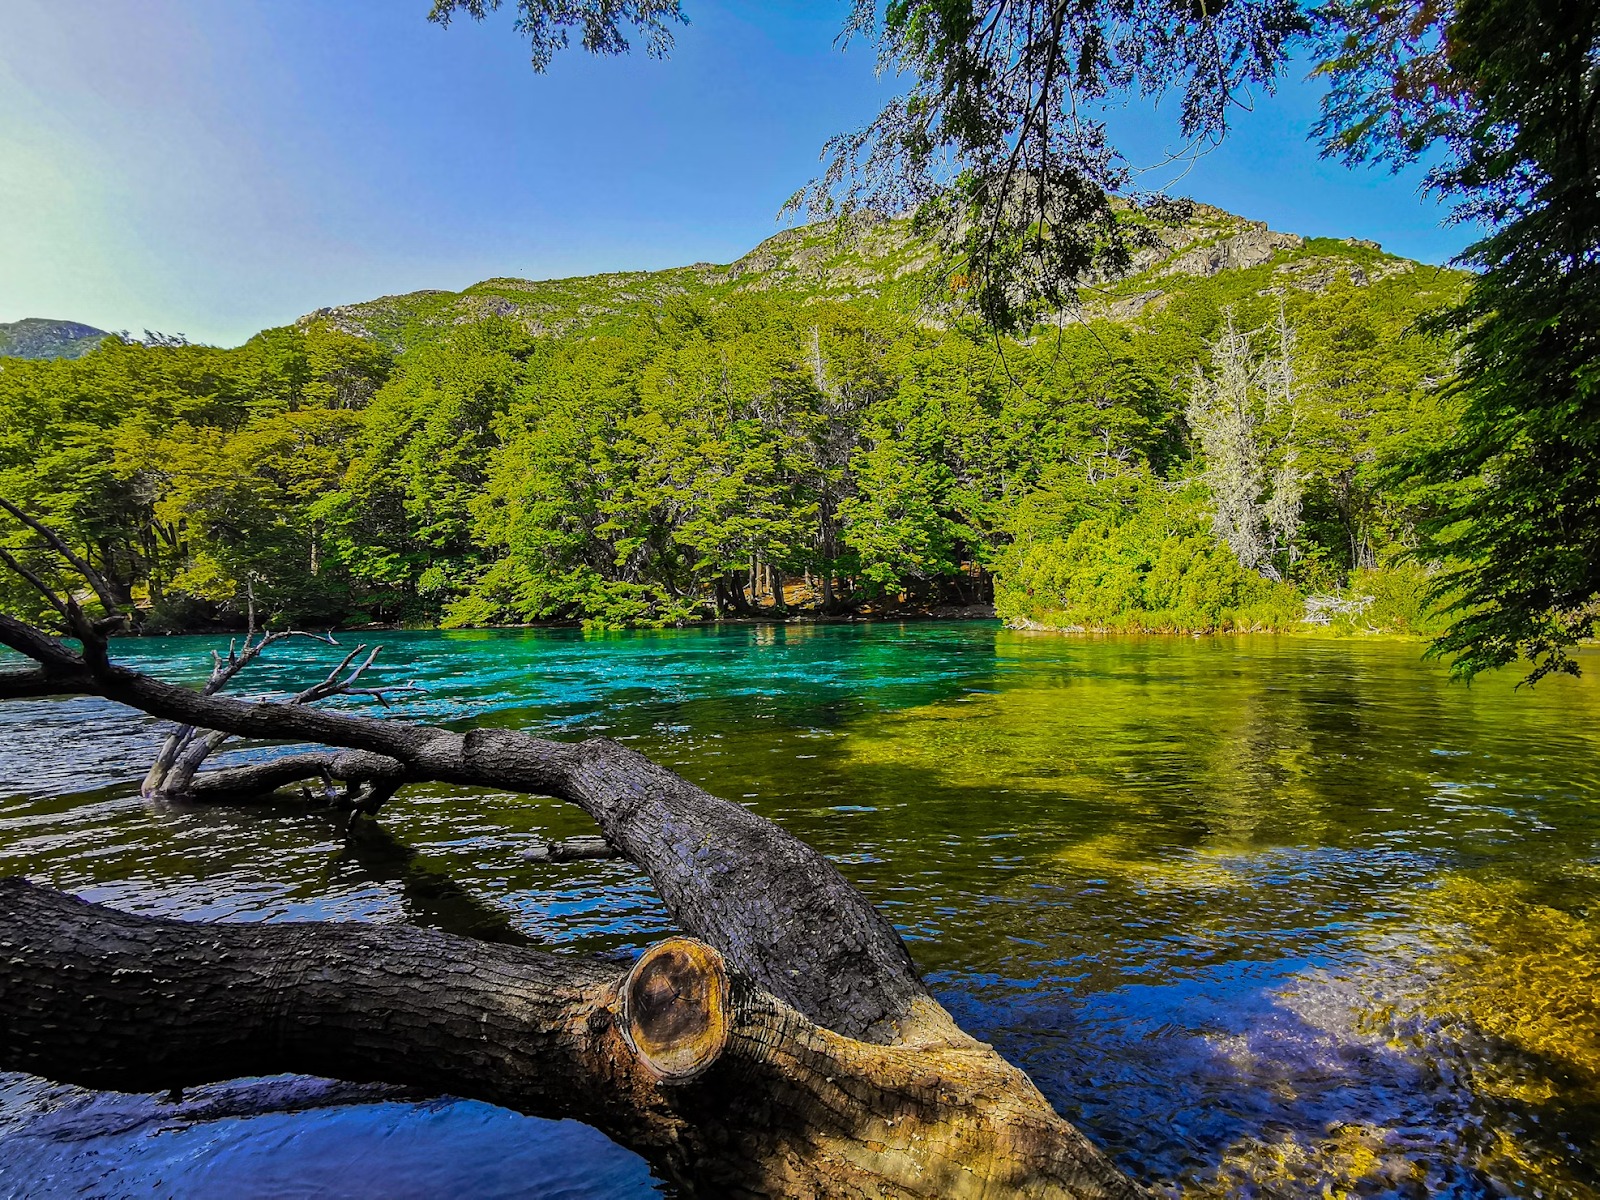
(186,748)
(39,646)
(334,686)
(33,581)
(719,868)
(330,684)
(238,659)
(78,563)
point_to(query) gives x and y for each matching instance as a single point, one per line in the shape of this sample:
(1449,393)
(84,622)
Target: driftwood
(577,849)
(187,747)
(786,1048)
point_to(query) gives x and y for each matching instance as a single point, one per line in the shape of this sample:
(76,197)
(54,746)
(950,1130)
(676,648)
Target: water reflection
(1265,916)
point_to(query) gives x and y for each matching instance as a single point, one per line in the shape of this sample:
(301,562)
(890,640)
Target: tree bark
(724,1089)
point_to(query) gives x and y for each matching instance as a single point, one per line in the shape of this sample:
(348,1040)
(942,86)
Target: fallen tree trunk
(791,1050)
(779,911)
(722,1087)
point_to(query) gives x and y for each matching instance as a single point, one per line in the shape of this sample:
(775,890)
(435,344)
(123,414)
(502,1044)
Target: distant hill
(879,266)
(812,263)
(38,337)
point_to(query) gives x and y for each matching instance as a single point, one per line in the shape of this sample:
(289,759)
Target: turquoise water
(1264,916)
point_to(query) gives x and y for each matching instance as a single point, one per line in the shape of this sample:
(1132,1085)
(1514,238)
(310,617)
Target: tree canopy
(728,447)
(841,435)
(603,26)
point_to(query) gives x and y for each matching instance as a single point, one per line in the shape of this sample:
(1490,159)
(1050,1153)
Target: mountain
(881,266)
(39,337)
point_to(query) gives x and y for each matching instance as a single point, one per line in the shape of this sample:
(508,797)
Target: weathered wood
(577,849)
(725,1089)
(186,748)
(675,1009)
(260,779)
(777,909)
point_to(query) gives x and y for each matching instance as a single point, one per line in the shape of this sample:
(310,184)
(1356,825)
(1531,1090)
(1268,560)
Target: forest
(1216,440)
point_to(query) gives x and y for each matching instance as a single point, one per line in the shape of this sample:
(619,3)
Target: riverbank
(1305,629)
(866,612)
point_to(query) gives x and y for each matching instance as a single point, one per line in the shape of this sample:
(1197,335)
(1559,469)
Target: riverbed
(1264,916)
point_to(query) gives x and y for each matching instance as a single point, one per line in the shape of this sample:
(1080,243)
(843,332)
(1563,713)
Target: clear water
(1266,917)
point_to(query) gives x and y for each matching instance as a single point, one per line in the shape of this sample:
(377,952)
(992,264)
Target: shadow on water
(431,896)
(1266,917)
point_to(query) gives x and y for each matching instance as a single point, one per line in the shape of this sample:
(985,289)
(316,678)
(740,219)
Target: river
(1264,916)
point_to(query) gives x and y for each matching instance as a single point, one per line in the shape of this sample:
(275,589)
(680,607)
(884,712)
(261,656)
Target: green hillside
(1208,442)
(36,337)
(881,267)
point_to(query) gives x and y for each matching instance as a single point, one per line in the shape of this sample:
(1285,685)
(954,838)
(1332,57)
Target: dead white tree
(1243,412)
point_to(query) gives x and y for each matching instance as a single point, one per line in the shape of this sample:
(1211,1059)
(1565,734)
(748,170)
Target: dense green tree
(186,475)
(999,152)
(1501,96)
(1146,563)
(401,522)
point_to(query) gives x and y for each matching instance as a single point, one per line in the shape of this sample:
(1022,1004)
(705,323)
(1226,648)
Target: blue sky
(214,169)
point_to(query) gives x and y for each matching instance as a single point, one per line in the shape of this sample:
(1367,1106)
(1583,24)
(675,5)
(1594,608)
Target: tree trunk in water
(724,1089)
(792,1050)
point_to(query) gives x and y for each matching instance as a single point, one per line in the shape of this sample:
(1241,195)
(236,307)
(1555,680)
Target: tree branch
(333,685)
(223,671)
(232,784)
(33,581)
(798,1053)
(186,748)
(779,910)
(45,650)
(92,577)
(23,685)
